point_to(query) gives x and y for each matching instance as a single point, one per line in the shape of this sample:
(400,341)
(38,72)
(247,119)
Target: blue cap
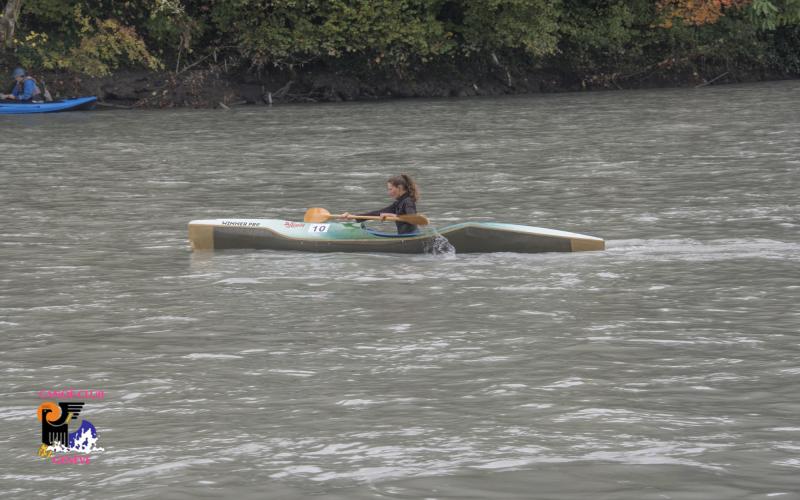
(18,72)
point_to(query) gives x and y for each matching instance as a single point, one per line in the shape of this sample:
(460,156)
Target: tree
(697,12)
(80,37)
(770,15)
(8,23)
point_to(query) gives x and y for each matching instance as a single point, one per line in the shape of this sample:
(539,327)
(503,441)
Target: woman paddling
(405,193)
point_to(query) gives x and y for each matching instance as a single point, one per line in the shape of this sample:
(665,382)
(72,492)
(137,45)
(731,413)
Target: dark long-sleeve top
(404,206)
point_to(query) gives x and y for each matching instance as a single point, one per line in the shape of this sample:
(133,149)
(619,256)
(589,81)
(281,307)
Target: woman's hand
(347,216)
(385,215)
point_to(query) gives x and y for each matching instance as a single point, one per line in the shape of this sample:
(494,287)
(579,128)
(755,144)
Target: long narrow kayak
(467,237)
(16,108)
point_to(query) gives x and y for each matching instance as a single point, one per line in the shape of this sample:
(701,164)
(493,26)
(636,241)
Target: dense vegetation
(596,39)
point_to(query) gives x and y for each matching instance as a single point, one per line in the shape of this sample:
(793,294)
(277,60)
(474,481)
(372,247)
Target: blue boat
(18,108)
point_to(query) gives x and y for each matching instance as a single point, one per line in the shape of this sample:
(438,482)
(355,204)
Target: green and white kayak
(467,237)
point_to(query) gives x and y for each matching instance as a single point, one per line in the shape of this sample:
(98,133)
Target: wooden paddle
(318,215)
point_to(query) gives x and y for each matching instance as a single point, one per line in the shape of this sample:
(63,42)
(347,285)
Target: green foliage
(782,53)
(97,37)
(529,25)
(105,46)
(768,15)
(169,24)
(597,35)
(384,32)
(295,32)
(76,41)
(90,46)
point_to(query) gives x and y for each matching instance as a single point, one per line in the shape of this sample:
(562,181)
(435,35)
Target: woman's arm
(391,209)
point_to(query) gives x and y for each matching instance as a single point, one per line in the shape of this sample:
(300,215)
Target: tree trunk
(8,22)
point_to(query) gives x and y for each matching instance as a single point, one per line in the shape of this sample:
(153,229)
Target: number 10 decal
(318,228)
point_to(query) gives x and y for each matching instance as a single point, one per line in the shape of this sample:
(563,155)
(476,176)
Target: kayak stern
(584,245)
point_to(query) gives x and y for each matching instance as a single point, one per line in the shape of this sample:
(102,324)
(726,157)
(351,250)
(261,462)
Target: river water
(666,366)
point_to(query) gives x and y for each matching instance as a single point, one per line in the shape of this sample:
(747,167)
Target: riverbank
(214,88)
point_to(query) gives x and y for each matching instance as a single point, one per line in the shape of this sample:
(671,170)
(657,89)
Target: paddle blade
(415,219)
(316,215)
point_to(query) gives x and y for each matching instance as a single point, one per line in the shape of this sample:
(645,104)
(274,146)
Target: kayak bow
(467,237)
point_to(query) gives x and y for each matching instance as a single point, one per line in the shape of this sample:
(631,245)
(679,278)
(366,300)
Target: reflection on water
(665,365)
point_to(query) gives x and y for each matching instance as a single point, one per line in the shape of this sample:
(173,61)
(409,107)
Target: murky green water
(664,367)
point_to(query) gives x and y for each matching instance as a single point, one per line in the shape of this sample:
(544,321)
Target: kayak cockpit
(384,234)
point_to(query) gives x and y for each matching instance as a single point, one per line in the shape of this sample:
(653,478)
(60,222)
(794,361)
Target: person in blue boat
(25,88)
(405,193)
